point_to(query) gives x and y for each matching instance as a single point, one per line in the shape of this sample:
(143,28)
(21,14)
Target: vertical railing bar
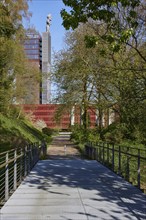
(113,157)
(138,174)
(127,165)
(103,159)
(97,153)
(108,153)
(119,160)
(15,170)
(7,177)
(28,158)
(25,161)
(21,161)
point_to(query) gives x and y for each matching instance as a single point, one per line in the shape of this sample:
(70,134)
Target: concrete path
(74,189)
(63,148)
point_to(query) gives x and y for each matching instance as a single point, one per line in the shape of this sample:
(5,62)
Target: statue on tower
(48,22)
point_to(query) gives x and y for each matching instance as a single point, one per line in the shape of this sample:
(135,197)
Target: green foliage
(81,135)
(17,132)
(95,77)
(112,13)
(120,133)
(78,133)
(12,13)
(115,133)
(47,131)
(91,41)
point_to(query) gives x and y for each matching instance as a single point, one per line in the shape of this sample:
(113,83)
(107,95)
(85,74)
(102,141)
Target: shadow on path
(74,189)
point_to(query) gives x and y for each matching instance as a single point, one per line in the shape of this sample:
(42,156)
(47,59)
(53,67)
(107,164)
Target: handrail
(125,161)
(15,165)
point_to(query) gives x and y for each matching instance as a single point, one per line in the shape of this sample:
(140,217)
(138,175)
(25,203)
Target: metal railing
(128,162)
(15,164)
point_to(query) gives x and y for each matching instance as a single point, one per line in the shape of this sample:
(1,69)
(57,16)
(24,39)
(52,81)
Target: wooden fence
(15,164)
(128,162)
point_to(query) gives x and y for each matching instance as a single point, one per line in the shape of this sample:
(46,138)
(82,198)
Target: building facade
(38,51)
(46,63)
(32,47)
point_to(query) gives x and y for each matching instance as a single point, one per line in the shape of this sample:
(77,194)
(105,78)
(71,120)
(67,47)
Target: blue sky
(40,9)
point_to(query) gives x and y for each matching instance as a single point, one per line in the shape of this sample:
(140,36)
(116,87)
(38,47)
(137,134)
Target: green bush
(80,135)
(47,131)
(116,133)
(47,139)
(93,135)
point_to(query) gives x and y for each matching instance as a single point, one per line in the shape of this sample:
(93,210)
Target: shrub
(93,135)
(47,131)
(80,135)
(116,133)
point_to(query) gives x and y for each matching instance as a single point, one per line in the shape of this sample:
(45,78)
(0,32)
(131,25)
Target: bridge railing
(128,162)
(15,164)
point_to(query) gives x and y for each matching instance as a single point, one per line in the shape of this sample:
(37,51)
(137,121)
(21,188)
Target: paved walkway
(63,148)
(74,189)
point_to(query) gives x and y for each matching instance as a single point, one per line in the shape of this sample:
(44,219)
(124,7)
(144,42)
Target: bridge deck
(74,189)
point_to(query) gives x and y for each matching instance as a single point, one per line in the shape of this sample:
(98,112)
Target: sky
(40,9)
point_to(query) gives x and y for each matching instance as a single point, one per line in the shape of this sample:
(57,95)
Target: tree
(12,13)
(80,74)
(102,79)
(122,21)
(129,86)
(15,70)
(71,75)
(97,10)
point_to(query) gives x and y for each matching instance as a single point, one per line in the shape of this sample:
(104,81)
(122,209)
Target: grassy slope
(15,132)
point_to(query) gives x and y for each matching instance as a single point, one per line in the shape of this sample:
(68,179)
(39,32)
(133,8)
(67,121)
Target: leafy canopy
(120,18)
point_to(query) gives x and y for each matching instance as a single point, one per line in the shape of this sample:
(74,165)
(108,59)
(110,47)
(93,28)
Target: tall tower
(46,63)
(32,48)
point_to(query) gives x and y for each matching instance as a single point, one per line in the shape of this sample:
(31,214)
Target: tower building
(38,52)
(33,51)
(46,63)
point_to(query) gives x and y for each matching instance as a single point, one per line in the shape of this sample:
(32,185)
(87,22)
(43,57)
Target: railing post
(43,148)
(35,154)
(28,158)
(113,157)
(95,153)
(108,153)
(97,150)
(31,156)
(15,170)
(25,161)
(127,165)
(7,178)
(138,174)
(119,160)
(21,161)
(103,159)
(99,153)
(91,151)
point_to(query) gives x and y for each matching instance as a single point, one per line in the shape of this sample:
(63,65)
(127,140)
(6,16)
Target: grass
(17,132)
